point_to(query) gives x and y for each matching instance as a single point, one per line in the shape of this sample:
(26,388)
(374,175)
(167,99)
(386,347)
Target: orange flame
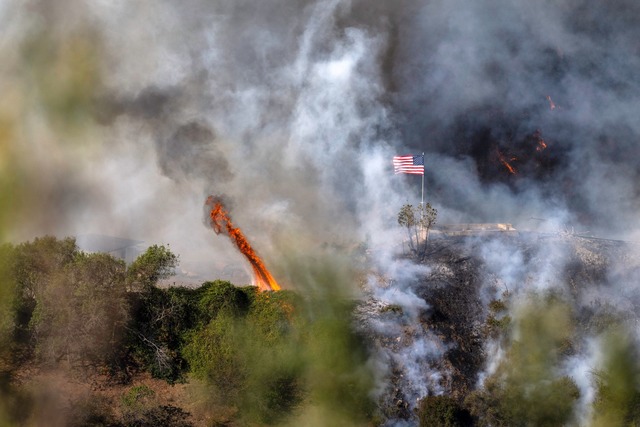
(541,145)
(552,106)
(506,163)
(221,222)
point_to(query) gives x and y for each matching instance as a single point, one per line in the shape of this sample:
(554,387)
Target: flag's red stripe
(404,164)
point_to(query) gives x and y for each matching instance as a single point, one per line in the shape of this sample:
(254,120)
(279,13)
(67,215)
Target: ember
(540,142)
(552,105)
(221,223)
(506,163)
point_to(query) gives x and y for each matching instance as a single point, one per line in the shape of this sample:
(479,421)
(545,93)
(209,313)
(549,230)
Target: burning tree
(418,220)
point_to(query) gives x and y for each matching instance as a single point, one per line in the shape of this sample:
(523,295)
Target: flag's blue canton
(409,164)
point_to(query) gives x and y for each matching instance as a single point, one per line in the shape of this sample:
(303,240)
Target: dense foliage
(268,358)
(442,411)
(263,356)
(527,387)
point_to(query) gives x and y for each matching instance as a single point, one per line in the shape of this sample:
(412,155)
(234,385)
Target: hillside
(493,329)
(460,318)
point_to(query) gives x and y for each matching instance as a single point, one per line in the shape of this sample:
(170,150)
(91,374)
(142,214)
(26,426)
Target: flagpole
(422,197)
(422,202)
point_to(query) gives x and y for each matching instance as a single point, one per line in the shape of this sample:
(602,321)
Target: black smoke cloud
(186,149)
(481,78)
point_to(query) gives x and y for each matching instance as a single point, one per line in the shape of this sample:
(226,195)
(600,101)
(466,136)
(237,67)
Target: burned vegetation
(505,329)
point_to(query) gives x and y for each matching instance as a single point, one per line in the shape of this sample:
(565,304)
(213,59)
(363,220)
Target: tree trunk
(411,247)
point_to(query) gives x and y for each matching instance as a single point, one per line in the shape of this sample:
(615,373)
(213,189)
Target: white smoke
(581,368)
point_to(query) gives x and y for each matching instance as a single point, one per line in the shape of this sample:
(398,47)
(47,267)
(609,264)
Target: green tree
(617,381)
(80,315)
(251,354)
(7,312)
(160,321)
(525,389)
(222,296)
(160,316)
(407,219)
(498,320)
(35,266)
(418,220)
(155,264)
(428,217)
(10,403)
(37,261)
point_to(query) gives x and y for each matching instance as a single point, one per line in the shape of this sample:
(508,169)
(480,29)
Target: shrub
(161,321)
(221,295)
(249,354)
(442,411)
(526,388)
(155,264)
(137,396)
(81,312)
(617,400)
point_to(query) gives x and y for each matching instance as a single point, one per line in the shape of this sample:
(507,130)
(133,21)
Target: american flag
(409,164)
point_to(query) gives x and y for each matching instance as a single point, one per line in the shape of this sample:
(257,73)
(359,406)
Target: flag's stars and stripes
(409,164)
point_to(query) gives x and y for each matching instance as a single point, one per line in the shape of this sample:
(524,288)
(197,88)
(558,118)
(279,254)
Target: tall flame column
(221,223)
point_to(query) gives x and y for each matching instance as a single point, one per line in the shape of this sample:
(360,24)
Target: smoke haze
(294,111)
(121,117)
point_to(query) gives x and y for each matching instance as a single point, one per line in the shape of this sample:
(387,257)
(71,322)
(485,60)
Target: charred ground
(466,296)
